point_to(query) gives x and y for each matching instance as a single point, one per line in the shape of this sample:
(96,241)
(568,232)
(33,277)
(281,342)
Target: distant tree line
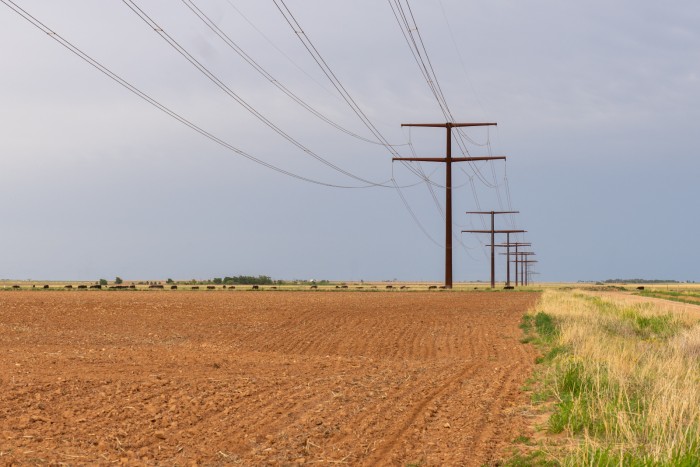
(245,280)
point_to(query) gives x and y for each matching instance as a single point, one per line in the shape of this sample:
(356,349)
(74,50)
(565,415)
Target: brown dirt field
(261,378)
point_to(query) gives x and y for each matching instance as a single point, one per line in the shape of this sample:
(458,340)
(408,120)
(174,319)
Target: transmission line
(221,85)
(171,113)
(257,67)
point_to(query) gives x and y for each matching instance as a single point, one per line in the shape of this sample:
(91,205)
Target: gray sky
(597,105)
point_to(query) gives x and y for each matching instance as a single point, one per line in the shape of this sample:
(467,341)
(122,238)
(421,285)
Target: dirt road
(261,378)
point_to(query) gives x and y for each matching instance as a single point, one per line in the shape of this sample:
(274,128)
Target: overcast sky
(597,105)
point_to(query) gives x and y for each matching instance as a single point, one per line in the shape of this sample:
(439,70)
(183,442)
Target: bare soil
(261,378)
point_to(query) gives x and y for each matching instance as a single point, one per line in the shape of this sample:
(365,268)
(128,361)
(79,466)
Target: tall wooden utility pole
(493,261)
(448,160)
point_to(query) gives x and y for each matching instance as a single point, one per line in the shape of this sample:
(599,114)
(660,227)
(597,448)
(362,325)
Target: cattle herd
(158,286)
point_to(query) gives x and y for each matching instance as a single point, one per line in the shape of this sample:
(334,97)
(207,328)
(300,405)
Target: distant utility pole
(448,160)
(520,259)
(493,263)
(492,232)
(507,245)
(526,263)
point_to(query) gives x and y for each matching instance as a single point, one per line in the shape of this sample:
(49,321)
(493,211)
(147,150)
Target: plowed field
(260,378)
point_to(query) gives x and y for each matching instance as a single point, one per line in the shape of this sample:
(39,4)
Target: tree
(103,281)
(118,280)
(170,281)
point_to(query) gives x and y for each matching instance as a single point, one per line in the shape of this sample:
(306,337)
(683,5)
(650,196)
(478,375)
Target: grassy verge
(621,384)
(683,297)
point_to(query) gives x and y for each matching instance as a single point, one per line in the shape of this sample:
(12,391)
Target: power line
(313,51)
(221,85)
(425,66)
(257,67)
(269,41)
(133,89)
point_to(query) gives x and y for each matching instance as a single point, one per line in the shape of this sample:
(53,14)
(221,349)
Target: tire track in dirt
(396,435)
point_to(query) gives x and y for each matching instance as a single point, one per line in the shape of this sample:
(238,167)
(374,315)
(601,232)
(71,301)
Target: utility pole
(492,232)
(493,264)
(520,259)
(448,160)
(507,245)
(526,264)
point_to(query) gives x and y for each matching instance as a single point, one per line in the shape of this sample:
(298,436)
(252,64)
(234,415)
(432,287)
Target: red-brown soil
(261,378)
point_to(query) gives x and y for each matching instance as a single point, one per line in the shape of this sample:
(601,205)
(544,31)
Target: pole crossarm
(493,212)
(495,231)
(451,159)
(448,124)
(509,245)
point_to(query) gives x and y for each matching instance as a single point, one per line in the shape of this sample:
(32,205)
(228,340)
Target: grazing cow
(96,286)
(314,287)
(82,286)
(360,287)
(224,287)
(641,287)
(16,287)
(211,287)
(132,286)
(273,288)
(432,287)
(195,287)
(232,287)
(389,286)
(33,286)
(442,287)
(46,286)
(255,287)
(343,286)
(68,287)
(173,287)
(404,287)
(156,286)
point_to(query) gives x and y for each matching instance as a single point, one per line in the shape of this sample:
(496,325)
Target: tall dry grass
(626,381)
